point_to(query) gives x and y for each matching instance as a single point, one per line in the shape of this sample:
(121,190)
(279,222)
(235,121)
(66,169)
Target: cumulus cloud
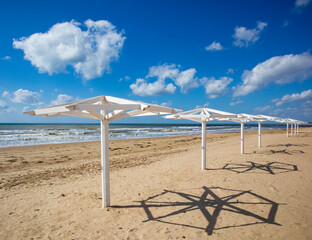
(26,97)
(244,37)
(280,69)
(295,97)
(62,98)
(89,52)
(164,71)
(236,102)
(216,87)
(142,88)
(215,46)
(186,80)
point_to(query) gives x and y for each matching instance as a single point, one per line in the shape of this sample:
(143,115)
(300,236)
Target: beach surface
(158,190)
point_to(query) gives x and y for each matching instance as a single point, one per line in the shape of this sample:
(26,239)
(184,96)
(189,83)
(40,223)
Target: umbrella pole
(259,134)
(242,138)
(298,129)
(105,163)
(287,130)
(292,129)
(204,145)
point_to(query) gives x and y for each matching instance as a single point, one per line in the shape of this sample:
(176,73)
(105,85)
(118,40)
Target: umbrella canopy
(202,115)
(105,109)
(114,108)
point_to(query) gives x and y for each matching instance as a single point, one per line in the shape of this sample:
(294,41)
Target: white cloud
(126,78)
(262,109)
(307,104)
(245,37)
(280,69)
(164,71)
(142,88)
(236,102)
(186,80)
(230,71)
(4,108)
(274,100)
(215,87)
(62,98)
(302,3)
(6,94)
(6,58)
(26,97)
(89,52)
(303,113)
(215,46)
(166,104)
(203,106)
(25,109)
(295,97)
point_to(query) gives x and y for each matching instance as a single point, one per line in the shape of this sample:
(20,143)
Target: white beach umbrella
(105,109)
(202,115)
(242,119)
(284,120)
(265,118)
(292,123)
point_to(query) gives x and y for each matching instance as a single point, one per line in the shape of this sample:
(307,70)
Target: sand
(158,190)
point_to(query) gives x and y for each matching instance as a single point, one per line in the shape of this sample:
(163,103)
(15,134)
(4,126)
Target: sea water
(34,134)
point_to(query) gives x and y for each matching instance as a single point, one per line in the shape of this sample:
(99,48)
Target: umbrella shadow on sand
(178,208)
(284,149)
(253,167)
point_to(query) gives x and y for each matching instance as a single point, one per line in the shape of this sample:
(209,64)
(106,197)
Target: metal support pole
(287,129)
(292,129)
(204,145)
(105,161)
(242,138)
(259,134)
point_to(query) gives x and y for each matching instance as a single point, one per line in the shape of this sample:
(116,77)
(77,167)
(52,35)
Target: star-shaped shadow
(170,207)
(271,167)
(282,151)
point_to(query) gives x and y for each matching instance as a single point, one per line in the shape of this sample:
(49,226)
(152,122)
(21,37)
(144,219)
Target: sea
(12,135)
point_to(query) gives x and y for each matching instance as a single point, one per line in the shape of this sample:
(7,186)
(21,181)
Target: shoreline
(140,138)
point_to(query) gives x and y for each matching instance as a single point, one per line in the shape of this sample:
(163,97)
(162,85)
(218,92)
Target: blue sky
(236,56)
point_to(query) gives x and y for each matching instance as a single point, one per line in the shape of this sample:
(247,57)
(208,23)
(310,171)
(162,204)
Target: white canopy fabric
(202,115)
(105,109)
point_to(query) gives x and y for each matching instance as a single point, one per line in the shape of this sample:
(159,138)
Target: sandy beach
(158,190)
